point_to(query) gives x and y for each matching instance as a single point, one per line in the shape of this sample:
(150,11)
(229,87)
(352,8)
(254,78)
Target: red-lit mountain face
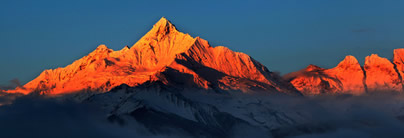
(166,55)
(378,74)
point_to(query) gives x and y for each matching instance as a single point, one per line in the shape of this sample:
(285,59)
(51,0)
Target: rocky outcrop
(166,55)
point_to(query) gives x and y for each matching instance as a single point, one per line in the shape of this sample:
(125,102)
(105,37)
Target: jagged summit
(375,59)
(381,74)
(160,29)
(160,45)
(312,67)
(163,54)
(165,24)
(349,61)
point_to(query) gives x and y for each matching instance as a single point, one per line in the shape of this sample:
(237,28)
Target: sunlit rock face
(381,74)
(164,54)
(346,78)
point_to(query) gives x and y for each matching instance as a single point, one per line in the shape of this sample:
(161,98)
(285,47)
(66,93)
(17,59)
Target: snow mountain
(166,55)
(377,75)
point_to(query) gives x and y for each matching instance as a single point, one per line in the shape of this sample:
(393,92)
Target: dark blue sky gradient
(284,35)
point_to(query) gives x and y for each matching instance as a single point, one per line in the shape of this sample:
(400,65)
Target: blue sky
(284,35)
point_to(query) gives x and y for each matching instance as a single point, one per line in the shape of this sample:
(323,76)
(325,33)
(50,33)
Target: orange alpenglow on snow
(163,54)
(381,74)
(377,75)
(347,77)
(350,74)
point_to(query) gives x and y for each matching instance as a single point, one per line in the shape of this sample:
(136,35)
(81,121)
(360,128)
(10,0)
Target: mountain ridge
(163,54)
(349,77)
(174,58)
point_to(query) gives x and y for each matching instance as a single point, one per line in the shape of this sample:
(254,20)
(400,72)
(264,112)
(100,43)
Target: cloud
(370,115)
(8,98)
(32,116)
(12,85)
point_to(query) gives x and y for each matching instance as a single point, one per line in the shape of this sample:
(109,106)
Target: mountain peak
(349,61)
(163,21)
(163,26)
(398,56)
(399,50)
(159,46)
(381,74)
(162,54)
(375,59)
(312,67)
(159,32)
(102,47)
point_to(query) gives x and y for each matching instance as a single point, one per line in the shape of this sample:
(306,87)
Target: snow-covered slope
(163,109)
(159,107)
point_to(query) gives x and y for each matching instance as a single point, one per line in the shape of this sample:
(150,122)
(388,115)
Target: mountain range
(349,77)
(172,83)
(176,59)
(166,55)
